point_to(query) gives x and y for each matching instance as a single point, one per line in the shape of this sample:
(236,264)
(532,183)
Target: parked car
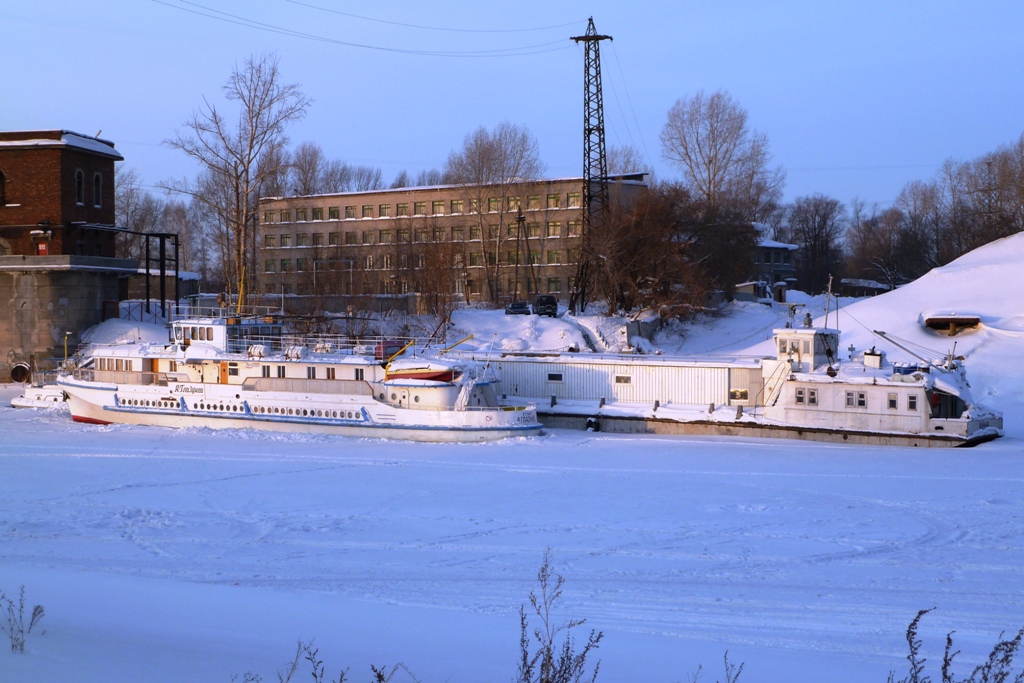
(545,305)
(517,308)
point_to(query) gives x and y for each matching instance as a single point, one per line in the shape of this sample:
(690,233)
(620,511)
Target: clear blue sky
(857,98)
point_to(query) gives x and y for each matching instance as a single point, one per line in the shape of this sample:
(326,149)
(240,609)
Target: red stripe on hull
(89,420)
(432,375)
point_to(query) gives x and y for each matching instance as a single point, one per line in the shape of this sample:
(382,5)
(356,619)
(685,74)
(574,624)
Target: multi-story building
(484,242)
(57,266)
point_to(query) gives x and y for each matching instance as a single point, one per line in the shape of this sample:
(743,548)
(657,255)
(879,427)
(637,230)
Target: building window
(302,240)
(456,206)
(457,260)
(401,209)
(474,286)
(554,377)
(554,285)
(97,190)
(403,235)
(476,259)
(457,234)
(385,237)
(534,257)
(367,211)
(269,241)
(573,255)
(350,212)
(623,379)
(318,214)
(384,211)
(286,240)
(575,228)
(533,229)
(286,216)
(533,202)
(474,205)
(554,257)
(437,207)
(79,188)
(300,215)
(801,397)
(493,205)
(268,216)
(513,203)
(474,232)
(419,208)
(554,201)
(421,234)
(572,200)
(368,262)
(286,265)
(554,229)
(269,266)
(438,234)
(893,401)
(368,236)
(421,260)
(300,264)
(912,402)
(333,213)
(812,397)
(350,238)
(333,239)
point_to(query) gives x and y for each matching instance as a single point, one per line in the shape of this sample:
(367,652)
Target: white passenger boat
(241,372)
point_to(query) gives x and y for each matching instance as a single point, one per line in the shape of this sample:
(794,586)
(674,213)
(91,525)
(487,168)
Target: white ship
(805,391)
(223,372)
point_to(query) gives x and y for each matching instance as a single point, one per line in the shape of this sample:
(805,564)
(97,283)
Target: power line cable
(433,28)
(636,121)
(271,28)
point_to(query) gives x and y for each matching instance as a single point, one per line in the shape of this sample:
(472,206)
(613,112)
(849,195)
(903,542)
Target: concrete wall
(42,298)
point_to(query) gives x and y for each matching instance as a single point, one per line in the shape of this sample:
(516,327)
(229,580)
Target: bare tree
(627,159)
(232,149)
(725,163)
(817,223)
(488,169)
(135,209)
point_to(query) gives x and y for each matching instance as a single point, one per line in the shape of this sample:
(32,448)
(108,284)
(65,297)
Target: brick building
(493,243)
(57,265)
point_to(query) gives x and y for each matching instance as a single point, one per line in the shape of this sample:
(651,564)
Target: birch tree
(235,149)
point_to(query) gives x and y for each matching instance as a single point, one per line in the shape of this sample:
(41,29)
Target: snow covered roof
(170,272)
(67,139)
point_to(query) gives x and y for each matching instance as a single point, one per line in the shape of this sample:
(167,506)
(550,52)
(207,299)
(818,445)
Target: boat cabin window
(554,377)
(801,397)
(330,373)
(812,397)
(280,371)
(912,402)
(359,373)
(893,402)
(311,372)
(856,399)
(266,371)
(623,379)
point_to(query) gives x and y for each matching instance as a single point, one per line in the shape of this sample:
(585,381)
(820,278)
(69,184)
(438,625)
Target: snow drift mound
(985,283)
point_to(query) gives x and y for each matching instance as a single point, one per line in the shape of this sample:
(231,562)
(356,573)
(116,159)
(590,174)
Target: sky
(856,98)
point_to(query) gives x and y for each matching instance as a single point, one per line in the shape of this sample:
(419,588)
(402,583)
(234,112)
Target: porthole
(289,411)
(416,399)
(304,412)
(393,397)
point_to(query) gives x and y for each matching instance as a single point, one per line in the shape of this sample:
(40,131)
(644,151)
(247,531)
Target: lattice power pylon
(595,163)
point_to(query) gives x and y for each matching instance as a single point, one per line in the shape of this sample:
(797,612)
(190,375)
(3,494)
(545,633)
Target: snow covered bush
(13,620)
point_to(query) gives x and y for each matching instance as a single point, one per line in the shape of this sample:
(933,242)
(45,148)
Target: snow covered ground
(194,555)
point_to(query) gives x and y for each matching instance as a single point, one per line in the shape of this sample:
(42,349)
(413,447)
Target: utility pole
(595,162)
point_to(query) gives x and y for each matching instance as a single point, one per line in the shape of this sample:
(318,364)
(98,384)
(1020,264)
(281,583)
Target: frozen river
(188,555)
